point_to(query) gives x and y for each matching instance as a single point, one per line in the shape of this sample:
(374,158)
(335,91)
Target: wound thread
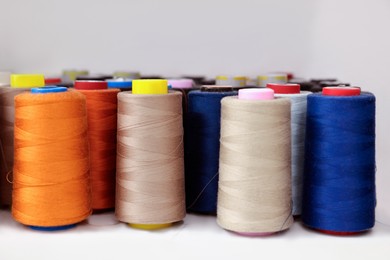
(150,158)
(339,183)
(254,193)
(102,121)
(51,163)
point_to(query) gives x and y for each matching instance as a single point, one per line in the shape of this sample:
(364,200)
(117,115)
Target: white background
(347,39)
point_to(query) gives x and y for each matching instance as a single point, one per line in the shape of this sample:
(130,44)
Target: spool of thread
(298,126)
(254,193)
(51,168)
(4,78)
(184,86)
(71,75)
(339,179)
(208,82)
(101,104)
(151,76)
(305,85)
(263,80)
(126,74)
(96,77)
(202,131)
(197,79)
(236,81)
(20,84)
(50,81)
(120,83)
(150,159)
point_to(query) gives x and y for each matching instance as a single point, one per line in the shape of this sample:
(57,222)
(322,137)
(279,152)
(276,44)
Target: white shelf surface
(197,237)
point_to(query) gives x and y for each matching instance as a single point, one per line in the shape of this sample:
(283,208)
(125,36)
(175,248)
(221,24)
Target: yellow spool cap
(150,226)
(150,86)
(240,78)
(221,78)
(27,80)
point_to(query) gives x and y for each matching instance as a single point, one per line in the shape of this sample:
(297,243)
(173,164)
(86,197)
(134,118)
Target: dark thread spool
(202,131)
(339,181)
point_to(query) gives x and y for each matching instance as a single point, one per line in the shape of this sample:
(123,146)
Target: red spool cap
(341,91)
(52,81)
(90,84)
(285,88)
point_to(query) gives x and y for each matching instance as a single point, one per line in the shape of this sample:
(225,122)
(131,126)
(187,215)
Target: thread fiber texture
(150,159)
(254,193)
(7,119)
(51,164)
(202,134)
(298,128)
(339,180)
(102,123)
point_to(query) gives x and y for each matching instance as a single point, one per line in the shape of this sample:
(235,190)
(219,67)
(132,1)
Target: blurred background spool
(123,84)
(263,80)
(51,169)
(5,78)
(184,86)
(53,81)
(254,193)
(339,180)
(202,131)
(95,77)
(19,83)
(150,157)
(236,81)
(126,74)
(68,76)
(298,126)
(101,104)
(197,79)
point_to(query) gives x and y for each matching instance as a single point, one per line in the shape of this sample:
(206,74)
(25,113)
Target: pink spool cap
(181,83)
(256,94)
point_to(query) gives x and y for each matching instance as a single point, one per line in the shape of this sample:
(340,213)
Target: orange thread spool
(102,125)
(51,159)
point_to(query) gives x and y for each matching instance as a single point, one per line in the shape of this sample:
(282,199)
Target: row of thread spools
(256,157)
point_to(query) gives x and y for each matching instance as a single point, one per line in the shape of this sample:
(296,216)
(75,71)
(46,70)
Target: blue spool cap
(48,89)
(119,84)
(55,228)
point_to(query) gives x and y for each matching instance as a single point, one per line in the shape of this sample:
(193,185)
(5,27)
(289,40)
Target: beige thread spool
(150,157)
(19,84)
(254,195)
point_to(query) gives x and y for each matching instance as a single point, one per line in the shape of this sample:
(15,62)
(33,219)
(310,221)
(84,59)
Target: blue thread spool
(122,84)
(339,181)
(202,131)
(45,90)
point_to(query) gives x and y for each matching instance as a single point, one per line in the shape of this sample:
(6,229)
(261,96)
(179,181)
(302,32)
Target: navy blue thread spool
(339,181)
(46,90)
(202,131)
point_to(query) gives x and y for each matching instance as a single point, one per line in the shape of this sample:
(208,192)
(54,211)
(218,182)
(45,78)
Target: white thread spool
(298,126)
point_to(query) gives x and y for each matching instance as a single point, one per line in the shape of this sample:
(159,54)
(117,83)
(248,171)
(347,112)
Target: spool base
(335,233)
(255,234)
(56,228)
(150,226)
